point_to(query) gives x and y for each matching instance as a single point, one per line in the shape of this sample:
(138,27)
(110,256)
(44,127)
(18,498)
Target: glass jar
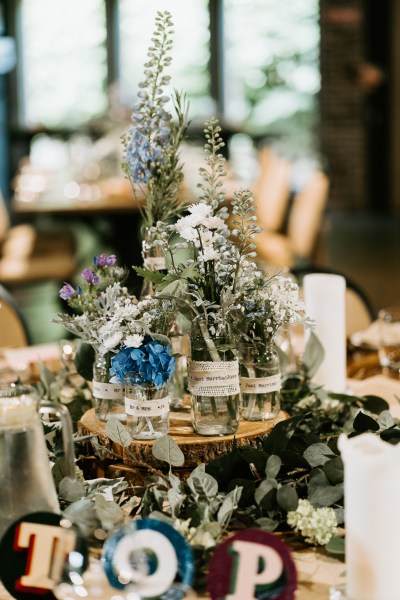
(108,397)
(147,410)
(213,380)
(153,259)
(260,381)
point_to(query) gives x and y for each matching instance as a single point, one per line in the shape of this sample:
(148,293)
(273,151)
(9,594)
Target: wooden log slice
(196,448)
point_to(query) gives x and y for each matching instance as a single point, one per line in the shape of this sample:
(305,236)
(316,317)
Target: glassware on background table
(26,482)
(389,338)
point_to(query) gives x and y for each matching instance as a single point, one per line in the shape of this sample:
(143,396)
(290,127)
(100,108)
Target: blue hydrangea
(151,363)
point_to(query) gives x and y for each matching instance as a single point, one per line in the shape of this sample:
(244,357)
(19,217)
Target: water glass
(389,338)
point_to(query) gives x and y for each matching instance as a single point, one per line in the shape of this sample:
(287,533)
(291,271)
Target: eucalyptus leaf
(118,433)
(274,464)
(386,420)
(71,489)
(318,454)
(175,501)
(336,545)
(109,513)
(160,516)
(287,498)
(267,524)
(321,492)
(263,489)
(83,514)
(364,422)
(203,486)
(375,404)
(166,449)
(230,504)
(313,355)
(334,470)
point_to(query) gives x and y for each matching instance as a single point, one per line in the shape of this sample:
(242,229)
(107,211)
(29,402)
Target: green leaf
(313,355)
(176,500)
(71,490)
(203,486)
(375,404)
(248,488)
(336,545)
(47,378)
(318,454)
(264,489)
(333,469)
(364,422)
(386,420)
(267,524)
(83,514)
(274,464)
(277,441)
(229,505)
(109,513)
(118,433)
(287,498)
(320,492)
(190,272)
(153,276)
(255,457)
(166,449)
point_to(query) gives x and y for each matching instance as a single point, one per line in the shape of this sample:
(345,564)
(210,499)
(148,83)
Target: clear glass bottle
(153,259)
(147,410)
(213,375)
(108,397)
(260,381)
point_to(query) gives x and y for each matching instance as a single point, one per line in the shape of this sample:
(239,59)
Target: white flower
(209,254)
(188,233)
(214,222)
(134,341)
(200,210)
(316,525)
(112,341)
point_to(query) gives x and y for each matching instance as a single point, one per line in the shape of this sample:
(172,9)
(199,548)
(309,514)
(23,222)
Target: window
(63,61)
(268,50)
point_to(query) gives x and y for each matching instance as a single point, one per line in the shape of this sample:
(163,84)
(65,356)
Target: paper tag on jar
(260,385)
(146,408)
(154,263)
(108,391)
(208,378)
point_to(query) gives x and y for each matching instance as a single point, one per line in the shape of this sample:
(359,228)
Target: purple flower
(67,291)
(89,276)
(105,261)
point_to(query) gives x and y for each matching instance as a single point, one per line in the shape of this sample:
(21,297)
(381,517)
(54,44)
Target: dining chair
(29,254)
(272,190)
(13,329)
(360,312)
(305,218)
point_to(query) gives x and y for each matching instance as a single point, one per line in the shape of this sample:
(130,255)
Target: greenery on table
(248,487)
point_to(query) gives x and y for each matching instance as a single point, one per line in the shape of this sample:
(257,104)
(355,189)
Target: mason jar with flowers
(205,285)
(144,369)
(266,304)
(110,318)
(151,158)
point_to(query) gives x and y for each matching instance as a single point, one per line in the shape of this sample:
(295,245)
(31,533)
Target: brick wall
(342,102)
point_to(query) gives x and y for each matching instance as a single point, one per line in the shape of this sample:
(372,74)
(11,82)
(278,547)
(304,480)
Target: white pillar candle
(372,498)
(324,297)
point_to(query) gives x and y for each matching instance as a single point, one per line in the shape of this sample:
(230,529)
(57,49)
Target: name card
(260,385)
(251,563)
(108,391)
(146,408)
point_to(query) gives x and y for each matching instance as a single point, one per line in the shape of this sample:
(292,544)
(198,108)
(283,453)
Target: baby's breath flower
(316,525)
